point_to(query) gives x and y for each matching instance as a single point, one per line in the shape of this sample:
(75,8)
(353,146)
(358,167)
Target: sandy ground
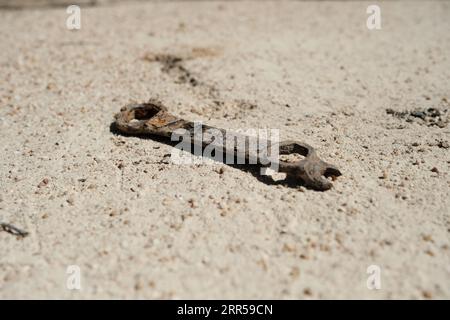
(139,227)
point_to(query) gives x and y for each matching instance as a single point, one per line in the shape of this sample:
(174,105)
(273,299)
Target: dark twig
(12,230)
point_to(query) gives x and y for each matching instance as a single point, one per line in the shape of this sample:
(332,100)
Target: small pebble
(441,124)
(295,272)
(307,292)
(418,114)
(443,144)
(384,175)
(43,183)
(70,201)
(192,203)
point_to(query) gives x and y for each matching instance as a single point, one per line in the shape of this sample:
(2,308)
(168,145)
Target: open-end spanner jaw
(311,170)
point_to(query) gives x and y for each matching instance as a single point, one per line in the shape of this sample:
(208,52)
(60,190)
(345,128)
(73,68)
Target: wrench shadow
(248,168)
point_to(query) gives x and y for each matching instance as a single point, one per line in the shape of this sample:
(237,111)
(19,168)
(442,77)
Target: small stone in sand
(443,144)
(43,183)
(70,201)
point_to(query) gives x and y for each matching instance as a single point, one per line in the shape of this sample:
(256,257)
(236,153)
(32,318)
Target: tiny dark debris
(43,183)
(172,64)
(12,230)
(443,144)
(429,116)
(434,169)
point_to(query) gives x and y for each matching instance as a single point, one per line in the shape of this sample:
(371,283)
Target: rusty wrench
(152,118)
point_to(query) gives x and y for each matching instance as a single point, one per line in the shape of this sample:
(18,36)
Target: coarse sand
(373,102)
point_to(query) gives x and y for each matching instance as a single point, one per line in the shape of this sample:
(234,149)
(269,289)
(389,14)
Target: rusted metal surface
(153,118)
